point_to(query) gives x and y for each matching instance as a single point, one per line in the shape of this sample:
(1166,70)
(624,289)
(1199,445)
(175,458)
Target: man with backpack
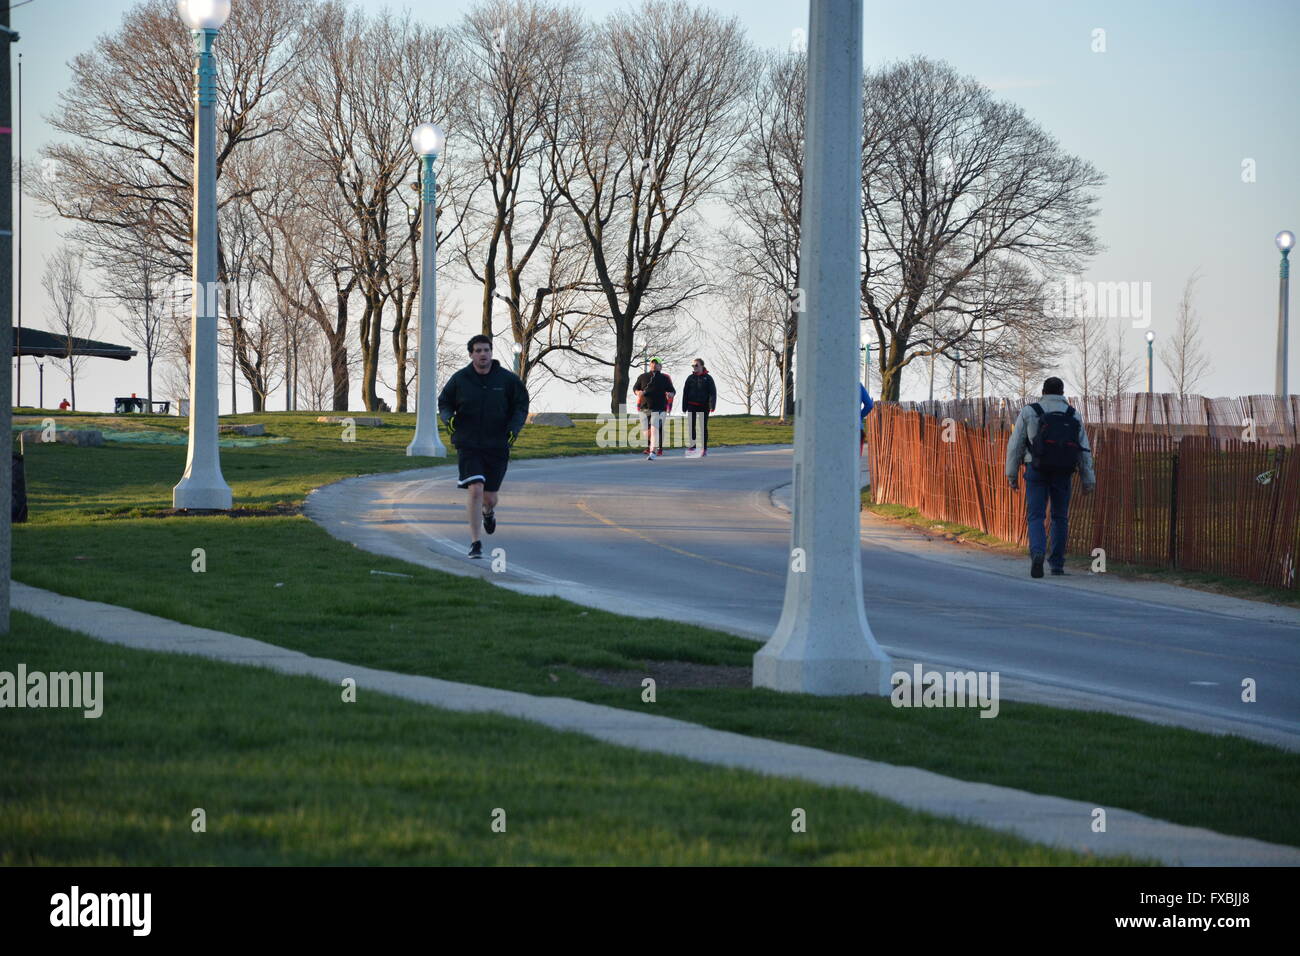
(1049,439)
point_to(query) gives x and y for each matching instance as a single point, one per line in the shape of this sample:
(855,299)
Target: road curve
(704,541)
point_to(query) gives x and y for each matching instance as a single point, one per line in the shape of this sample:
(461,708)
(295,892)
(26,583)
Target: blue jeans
(1038,489)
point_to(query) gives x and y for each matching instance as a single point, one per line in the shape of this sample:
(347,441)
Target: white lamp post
(823,644)
(519,357)
(1151,337)
(1285,241)
(427,140)
(202,487)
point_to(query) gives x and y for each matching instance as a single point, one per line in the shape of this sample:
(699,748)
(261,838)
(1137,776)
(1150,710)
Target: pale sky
(1184,94)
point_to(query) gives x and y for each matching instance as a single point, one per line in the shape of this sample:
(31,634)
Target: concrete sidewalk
(1050,820)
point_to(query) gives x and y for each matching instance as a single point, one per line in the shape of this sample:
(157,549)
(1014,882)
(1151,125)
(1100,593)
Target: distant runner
(484,406)
(654,392)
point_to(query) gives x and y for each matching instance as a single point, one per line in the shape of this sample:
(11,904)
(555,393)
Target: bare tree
(175,353)
(745,355)
(296,326)
(368,82)
(316,372)
(1181,353)
(766,198)
(644,133)
(312,269)
(1088,336)
(953,179)
(1025,378)
(71,316)
(1117,371)
(130,114)
(519,55)
(452,355)
(563,321)
(403,291)
(140,277)
(253,321)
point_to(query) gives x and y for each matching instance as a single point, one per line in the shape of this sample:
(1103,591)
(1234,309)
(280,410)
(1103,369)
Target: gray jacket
(1027,427)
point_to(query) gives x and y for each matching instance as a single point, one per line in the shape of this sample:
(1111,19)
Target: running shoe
(489,521)
(476,549)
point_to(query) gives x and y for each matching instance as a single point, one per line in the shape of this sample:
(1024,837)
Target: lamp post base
(807,659)
(426,448)
(824,678)
(197,495)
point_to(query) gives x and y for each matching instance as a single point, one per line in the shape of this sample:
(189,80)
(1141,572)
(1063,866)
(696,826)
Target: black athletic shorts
(484,465)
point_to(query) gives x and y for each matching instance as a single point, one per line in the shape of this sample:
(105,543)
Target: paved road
(705,541)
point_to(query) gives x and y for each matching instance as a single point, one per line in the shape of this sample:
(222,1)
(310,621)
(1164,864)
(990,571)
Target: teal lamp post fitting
(427,140)
(202,487)
(1285,241)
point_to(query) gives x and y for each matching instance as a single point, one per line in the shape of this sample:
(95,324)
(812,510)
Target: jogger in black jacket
(485,407)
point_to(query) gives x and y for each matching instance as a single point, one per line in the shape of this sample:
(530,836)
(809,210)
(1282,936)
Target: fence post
(1173,509)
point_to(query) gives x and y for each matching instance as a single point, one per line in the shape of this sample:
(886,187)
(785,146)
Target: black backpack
(1055,449)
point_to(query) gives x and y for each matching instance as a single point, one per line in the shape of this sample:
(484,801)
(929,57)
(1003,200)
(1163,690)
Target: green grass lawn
(132,479)
(84,542)
(289,774)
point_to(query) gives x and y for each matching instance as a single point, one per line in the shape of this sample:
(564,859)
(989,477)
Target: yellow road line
(587,509)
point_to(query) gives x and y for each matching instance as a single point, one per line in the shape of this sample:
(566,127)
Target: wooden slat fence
(1196,502)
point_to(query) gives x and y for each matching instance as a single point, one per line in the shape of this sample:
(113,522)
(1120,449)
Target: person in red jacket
(64,406)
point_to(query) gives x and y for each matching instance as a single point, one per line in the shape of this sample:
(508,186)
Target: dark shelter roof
(47,344)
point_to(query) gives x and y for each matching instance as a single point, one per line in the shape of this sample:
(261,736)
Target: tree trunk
(622,373)
(490,277)
(891,372)
(371,326)
(339,353)
(404,305)
(339,366)
(400,351)
(288,369)
(234,372)
(787,373)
